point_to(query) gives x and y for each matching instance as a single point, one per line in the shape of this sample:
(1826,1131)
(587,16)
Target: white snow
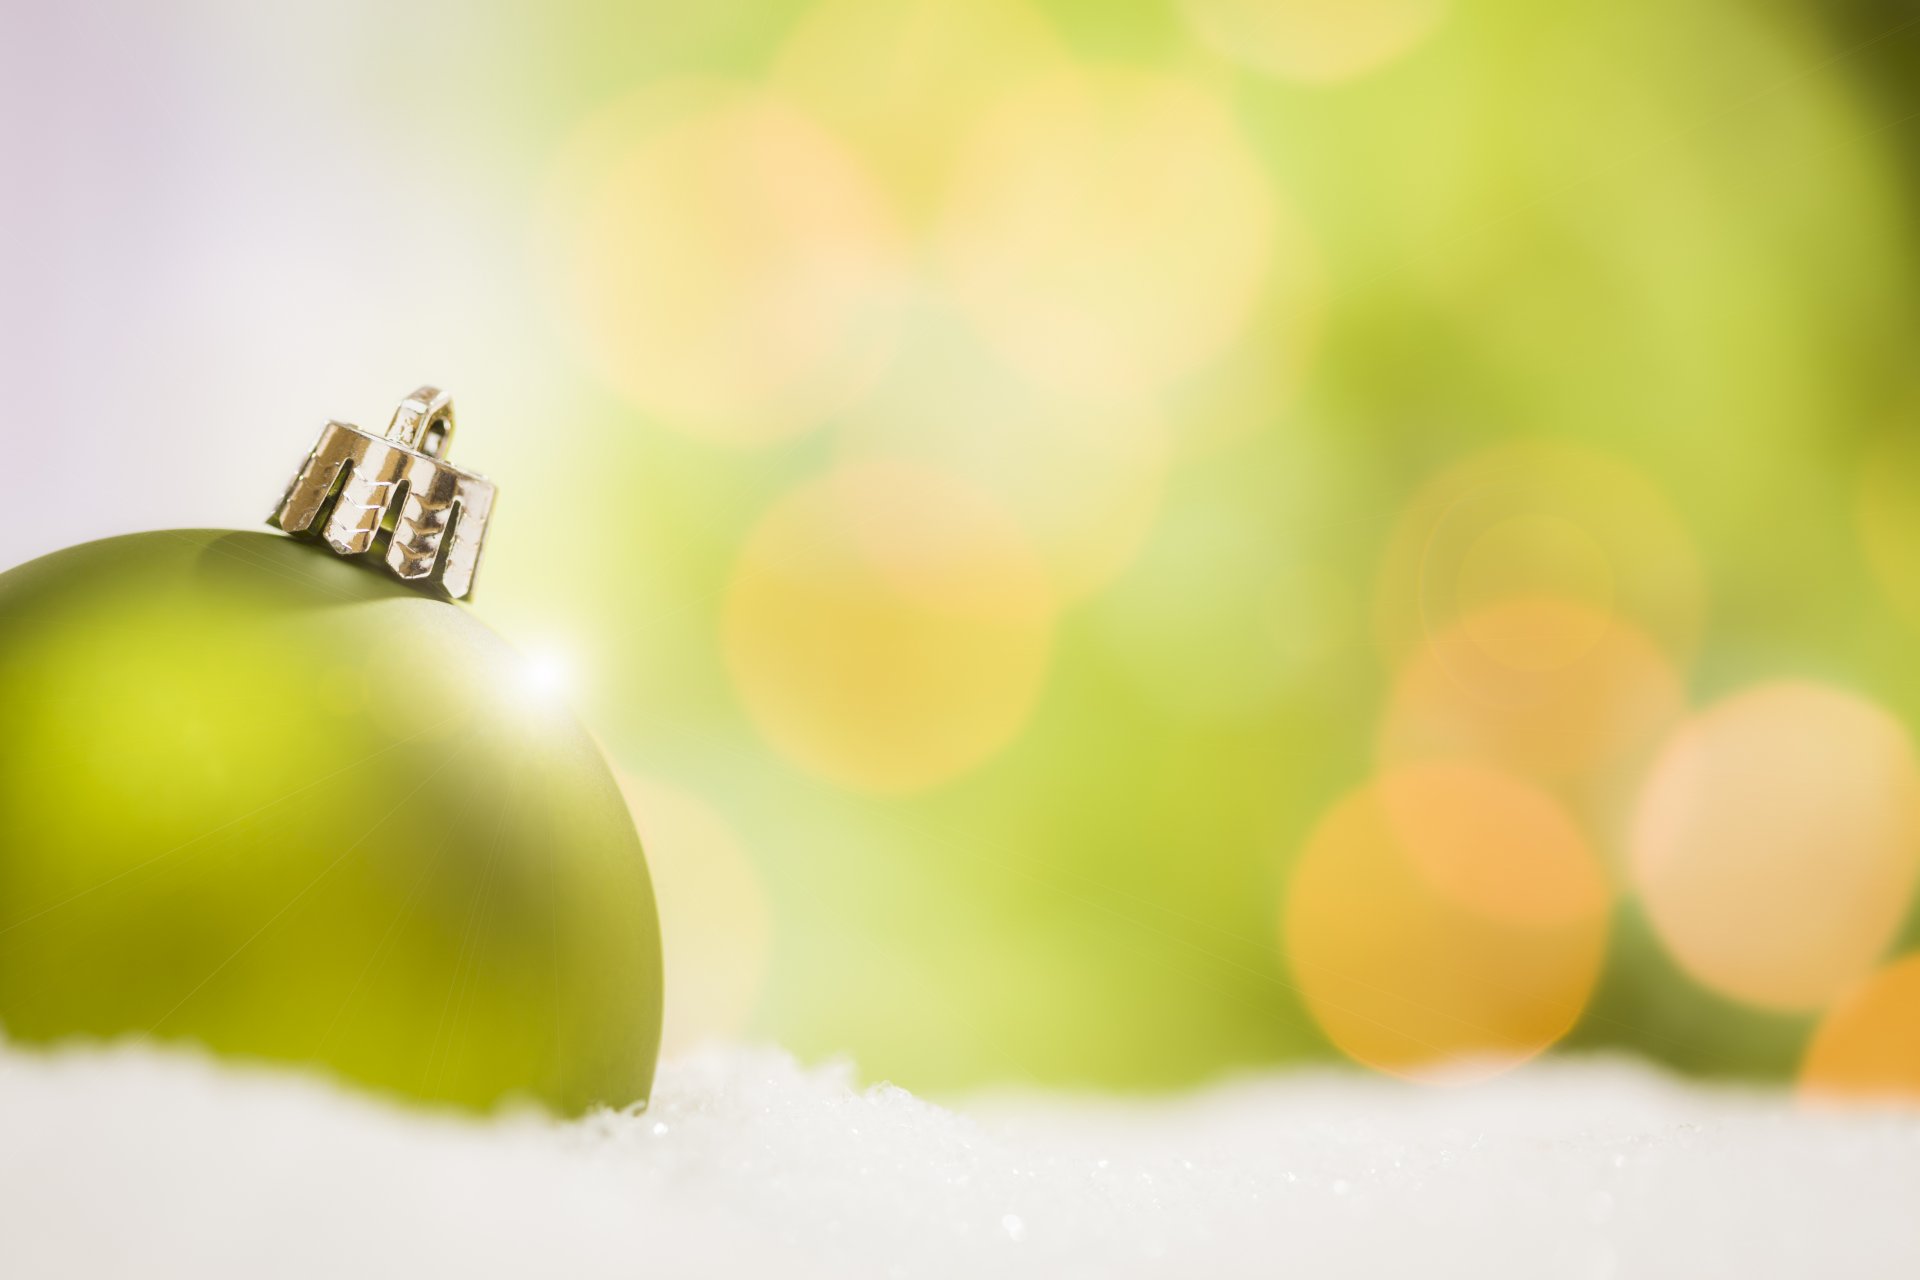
(129,1160)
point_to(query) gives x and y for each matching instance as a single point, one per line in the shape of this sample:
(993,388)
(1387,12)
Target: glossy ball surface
(262,799)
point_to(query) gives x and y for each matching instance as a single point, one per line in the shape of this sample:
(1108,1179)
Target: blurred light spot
(1532,555)
(1775,844)
(1314,41)
(888,627)
(1868,1045)
(903,79)
(1445,916)
(547,675)
(1084,479)
(1110,232)
(1443,814)
(1547,689)
(721,261)
(1538,519)
(715,925)
(1245,394)
(1888,518)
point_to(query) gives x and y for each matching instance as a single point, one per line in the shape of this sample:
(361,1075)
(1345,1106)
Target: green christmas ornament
(255,796)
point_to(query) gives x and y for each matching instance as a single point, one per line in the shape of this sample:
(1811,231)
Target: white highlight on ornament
(547,675)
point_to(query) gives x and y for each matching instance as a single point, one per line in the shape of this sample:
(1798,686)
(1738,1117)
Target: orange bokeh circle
(1446,917)
(1551,689)
(1777,840)
(1868,1045)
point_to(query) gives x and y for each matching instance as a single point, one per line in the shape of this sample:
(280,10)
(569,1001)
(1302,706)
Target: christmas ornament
(355,486)
(257,797)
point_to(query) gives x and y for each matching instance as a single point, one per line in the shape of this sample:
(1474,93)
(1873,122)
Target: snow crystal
(132,1160)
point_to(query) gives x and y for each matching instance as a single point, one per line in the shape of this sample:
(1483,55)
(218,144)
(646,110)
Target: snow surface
(128,1160)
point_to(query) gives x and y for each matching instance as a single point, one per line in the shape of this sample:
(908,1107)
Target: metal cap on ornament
(393,500)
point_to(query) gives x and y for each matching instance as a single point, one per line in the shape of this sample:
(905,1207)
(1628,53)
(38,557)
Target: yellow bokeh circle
(1886,516)
(1539,519)
(1446,918)
(1112,232)
(888,627)
(721,260)
(716,926)
(1529,557)
(1776,842)
(1084,478)
(1314,41)
(903,80)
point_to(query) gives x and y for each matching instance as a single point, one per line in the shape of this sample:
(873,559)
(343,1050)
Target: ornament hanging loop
(423,422)
(393,501)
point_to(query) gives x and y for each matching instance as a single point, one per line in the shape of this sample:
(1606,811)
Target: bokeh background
(1110,544)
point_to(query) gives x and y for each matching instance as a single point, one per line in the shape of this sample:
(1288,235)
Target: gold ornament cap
(393,501)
